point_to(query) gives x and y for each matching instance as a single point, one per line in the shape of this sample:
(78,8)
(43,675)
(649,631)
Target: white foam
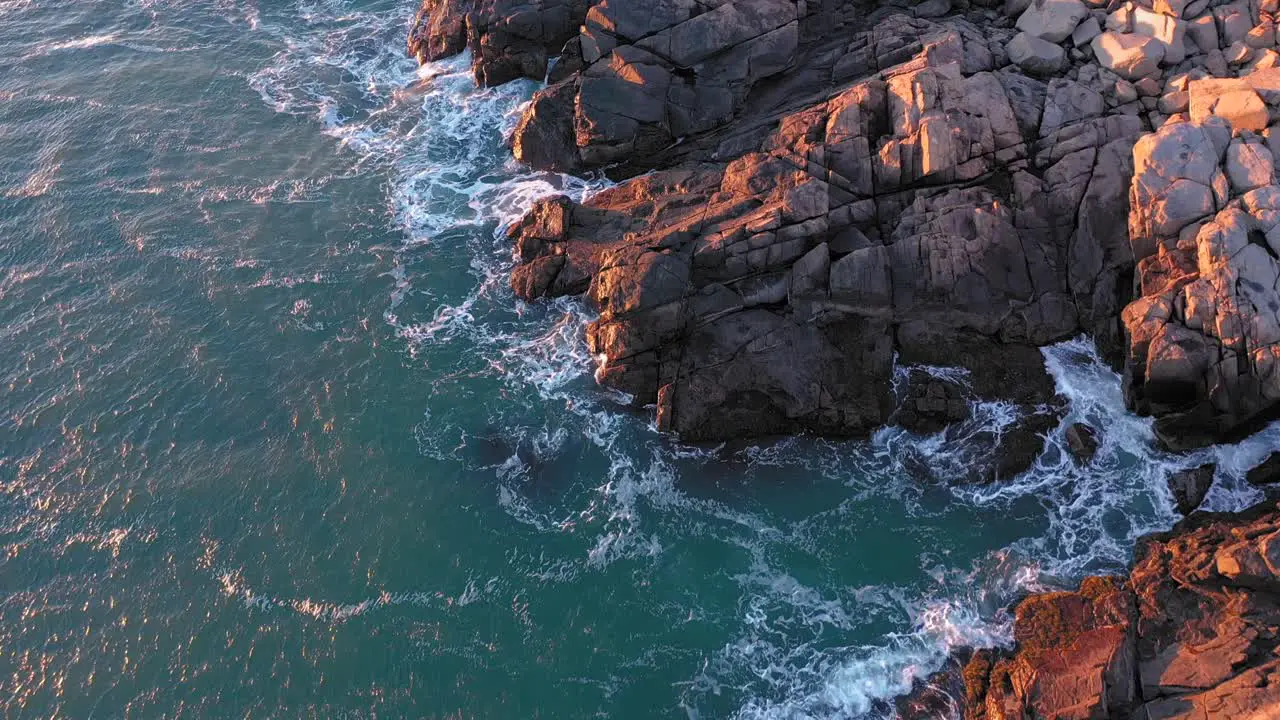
(233,585)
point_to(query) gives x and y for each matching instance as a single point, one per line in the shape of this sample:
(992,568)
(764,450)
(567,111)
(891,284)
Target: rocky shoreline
(1190,634)
(815,194)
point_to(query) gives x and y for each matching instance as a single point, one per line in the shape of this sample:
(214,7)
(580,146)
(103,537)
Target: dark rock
(1017,447)
(931,403)
(543,139)
(941,695)
(1190,486)
(1267,473)
(1082,441)
(508,39)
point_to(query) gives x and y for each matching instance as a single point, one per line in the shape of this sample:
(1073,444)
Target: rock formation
(1204,330)
(820,190)
(508,39)
(919,212)
(1189,634)
(1189,487)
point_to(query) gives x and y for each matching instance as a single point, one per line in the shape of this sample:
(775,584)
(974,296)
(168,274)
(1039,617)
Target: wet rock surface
(508,39)
(1082,441)
(1189,487)
(1190,633)
(1265,473)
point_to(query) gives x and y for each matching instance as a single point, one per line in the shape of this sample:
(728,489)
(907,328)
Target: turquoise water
(276,440)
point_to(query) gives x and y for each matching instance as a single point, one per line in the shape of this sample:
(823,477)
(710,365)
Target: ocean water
(276,440)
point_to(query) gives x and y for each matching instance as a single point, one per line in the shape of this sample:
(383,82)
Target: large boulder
(1128,55)
(1034,55)
(1238,101)
(1052,20)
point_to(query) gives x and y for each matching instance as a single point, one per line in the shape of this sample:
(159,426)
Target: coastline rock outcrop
(508,39)
(816,191)
(1190,634)
(934,210)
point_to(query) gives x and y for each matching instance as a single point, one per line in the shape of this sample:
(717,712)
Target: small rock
(1203,31)
(1052,20)
(1129,56)
(1233,21)
(1238,53)
(1035,56)
(1262,60)
(1147,87)
(1175,102)
(1190,486)
(1085,32)
(1168,30)
(1261,36)
(1125,92)
(1267,473)
(1082,441)
(1216,63)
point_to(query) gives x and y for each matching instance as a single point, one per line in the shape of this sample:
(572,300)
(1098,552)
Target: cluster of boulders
(944,210)
(1190,634)
(1204,333)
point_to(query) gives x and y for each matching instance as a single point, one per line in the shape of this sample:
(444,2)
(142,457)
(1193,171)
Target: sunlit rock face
(1203,331)
(1188,634)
